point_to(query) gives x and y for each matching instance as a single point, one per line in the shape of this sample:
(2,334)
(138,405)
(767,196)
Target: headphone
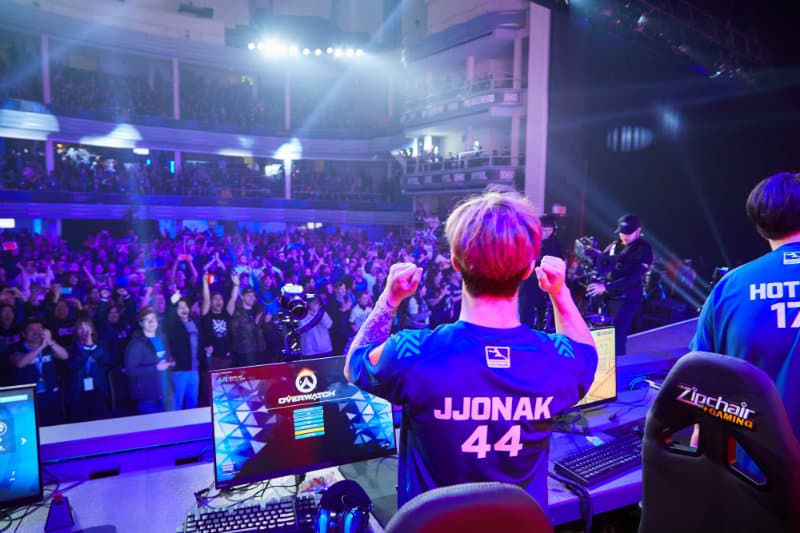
(344,508)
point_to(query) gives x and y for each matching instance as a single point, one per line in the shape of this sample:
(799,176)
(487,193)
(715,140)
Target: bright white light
(141,151)
(314,225)
(350,52)
(291,151)
(8,223)
(317,52)
(306,51)
(359,52)
(272,170)
(329,50)
(294,50)
(337,52)
(122,136)
(251,46)
(282,50)
(260,46)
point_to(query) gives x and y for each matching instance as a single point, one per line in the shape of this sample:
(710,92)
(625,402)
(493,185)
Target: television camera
(593,265)
(294,307)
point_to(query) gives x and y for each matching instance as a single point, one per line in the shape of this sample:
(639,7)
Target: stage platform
(139,474)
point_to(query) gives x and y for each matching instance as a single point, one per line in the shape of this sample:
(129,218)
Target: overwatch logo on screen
(717,406)
(306,383)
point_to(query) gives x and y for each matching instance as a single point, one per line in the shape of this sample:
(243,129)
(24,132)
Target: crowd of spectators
(116,326)
(245,104)
(112,95)
(78,170)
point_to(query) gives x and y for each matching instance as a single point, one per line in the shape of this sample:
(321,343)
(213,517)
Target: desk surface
(157,500)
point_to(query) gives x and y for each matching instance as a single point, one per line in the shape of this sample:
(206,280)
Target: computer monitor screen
(289,418)
(20,475)
(604,386)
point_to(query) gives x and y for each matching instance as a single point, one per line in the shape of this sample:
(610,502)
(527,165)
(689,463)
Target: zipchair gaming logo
(306,381)
(717,406)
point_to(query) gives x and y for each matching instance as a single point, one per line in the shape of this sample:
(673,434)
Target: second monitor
(291,418)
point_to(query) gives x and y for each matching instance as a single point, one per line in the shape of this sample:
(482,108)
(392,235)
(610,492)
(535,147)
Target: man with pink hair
(478,395)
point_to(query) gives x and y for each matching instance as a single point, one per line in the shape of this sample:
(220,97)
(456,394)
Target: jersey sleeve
(581,358)
(400,352)
(703,340)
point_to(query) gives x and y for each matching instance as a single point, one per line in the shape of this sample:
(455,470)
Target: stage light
(294,50)
(350,52)
(260,46)
(317,52)
(306,51)
(359,52)
(337,52)
(251,46)
(329,50)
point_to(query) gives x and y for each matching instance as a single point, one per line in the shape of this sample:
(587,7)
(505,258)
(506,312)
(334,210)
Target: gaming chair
(471,508)
(714,487)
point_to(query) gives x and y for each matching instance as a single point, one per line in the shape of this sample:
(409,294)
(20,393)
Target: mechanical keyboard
(594,465)
(290,514)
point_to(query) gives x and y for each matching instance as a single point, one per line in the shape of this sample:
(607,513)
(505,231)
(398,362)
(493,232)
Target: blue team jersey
(477,401)
(753,313)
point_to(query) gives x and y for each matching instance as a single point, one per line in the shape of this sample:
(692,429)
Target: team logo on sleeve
(498,356)
(791,258)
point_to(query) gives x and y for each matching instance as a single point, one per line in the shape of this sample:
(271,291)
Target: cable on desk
(584,497)
(631,405)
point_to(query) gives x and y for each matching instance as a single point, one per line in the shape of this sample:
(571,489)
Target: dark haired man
(34,360)
(631,256)
(753,313)
(478,395)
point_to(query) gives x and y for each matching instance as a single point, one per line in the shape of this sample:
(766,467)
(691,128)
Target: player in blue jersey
(753,313)
(478,395)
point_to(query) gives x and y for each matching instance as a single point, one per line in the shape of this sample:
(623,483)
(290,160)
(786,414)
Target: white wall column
(45,52)
(49,156)
(176,89)
(178,162)
(287,183)
(287,103)
(516,119)
(151,74)
(517,62)
(537,103)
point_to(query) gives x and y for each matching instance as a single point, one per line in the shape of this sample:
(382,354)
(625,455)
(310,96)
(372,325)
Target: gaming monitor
(20,474)
(290,418)
(604,386)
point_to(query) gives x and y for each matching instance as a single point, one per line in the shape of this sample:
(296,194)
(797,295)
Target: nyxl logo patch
(498,356)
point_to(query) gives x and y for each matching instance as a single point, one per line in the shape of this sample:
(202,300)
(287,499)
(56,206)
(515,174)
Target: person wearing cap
(247,340)
(631,256)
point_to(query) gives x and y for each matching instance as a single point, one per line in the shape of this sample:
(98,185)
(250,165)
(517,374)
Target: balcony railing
(464,174)
(460,96)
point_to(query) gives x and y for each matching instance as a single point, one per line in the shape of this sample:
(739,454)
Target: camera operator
(631,256)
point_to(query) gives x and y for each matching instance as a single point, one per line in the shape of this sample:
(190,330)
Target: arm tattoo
(376,328)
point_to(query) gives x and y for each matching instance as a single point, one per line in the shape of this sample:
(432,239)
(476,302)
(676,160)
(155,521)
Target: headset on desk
(344,508)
